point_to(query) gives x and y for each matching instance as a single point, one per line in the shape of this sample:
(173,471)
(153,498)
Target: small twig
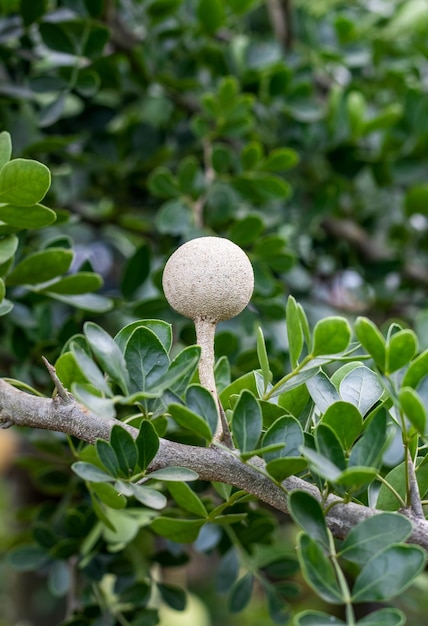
(61,390)
(414,496)
(227,436)
(280,18)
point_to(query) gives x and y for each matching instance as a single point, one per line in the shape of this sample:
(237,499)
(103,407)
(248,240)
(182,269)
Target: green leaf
(383,617)
(76,284)
(24,182)
(280,159)
(34,216)
(328,444)
(91,473)
(87,302)
(416,371)
(146,360)
(174,474)
(125,448)
(174,217)
(190,420)
(369,449)
(401,348)
(416,200)
(388,573)
(306,511)
(89,369)
(285,430)
(201,401)
(263,358)
(240,593)
(374,534)
(331,335)
(355,478)
(5,148)
(247,422)
(187,499)
(322,391)
(173,596)
(386,501)
(178,530)
(318,570)
(162,184)
(56,37)
(149,497)
(361,387)
(108,495)
(41,266)
(8,247)
(244,232)
(413,408)
(108,458)
(284,467)
(210,14)
(316,618)
(294,331)
(27,558)
(104,407)
(321,465)
(2,290)
(136,271)
(147,443)
(161,329)
(372,340)
(251,155)
(108,354)
(345,420)
(181,370)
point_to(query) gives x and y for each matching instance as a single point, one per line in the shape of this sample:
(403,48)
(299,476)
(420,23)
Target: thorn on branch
(61,390)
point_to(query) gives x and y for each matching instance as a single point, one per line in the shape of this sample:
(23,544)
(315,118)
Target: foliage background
(297,130)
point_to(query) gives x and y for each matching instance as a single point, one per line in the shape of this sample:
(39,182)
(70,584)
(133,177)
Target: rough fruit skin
(208,278)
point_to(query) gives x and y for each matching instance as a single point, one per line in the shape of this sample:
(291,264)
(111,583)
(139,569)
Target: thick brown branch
(212,464)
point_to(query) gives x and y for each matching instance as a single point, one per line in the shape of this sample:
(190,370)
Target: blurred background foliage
(296,129)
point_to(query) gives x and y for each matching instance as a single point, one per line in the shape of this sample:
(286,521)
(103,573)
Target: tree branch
(212,464)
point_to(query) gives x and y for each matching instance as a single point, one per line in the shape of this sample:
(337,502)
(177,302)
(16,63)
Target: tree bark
(216,463)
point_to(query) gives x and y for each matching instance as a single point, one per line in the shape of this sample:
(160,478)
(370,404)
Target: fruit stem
(205,333)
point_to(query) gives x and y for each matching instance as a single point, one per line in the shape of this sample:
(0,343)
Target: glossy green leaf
(306,511)
(90,369)
(263,358)
(91,302)
(322,391)
(108,354)
(400,350)
(244,232)
(149,497)
(27,558)
(174,474)
(211,15)
(414,409)
(5,148)
(34,216)
(369,448)
(125,448)
(8,247)
(2,290)
(318,570)
(355,478)
(331,336)
(91,473)
(247,422)
(178,530)
(386,500)
(39,267)
(187,499)
(240,594)
(416,200)
(383,617)
(76,284)
(108,457)
(294,331)
(125,525)
(283,467)
(108,495)
(173,596)
(345,420)
(295,400)
(162,183)
(146,359)
(56,37)
(147,443)
(328,444)
(190,420)
(316,618)
(372,535)
(280,159)
(321,465)
(181,370)
(372,340)
(161,329)
(201,401)
(24,182)
(285,430)
(388,573)
(104,407)
(361,387)
(416,371)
